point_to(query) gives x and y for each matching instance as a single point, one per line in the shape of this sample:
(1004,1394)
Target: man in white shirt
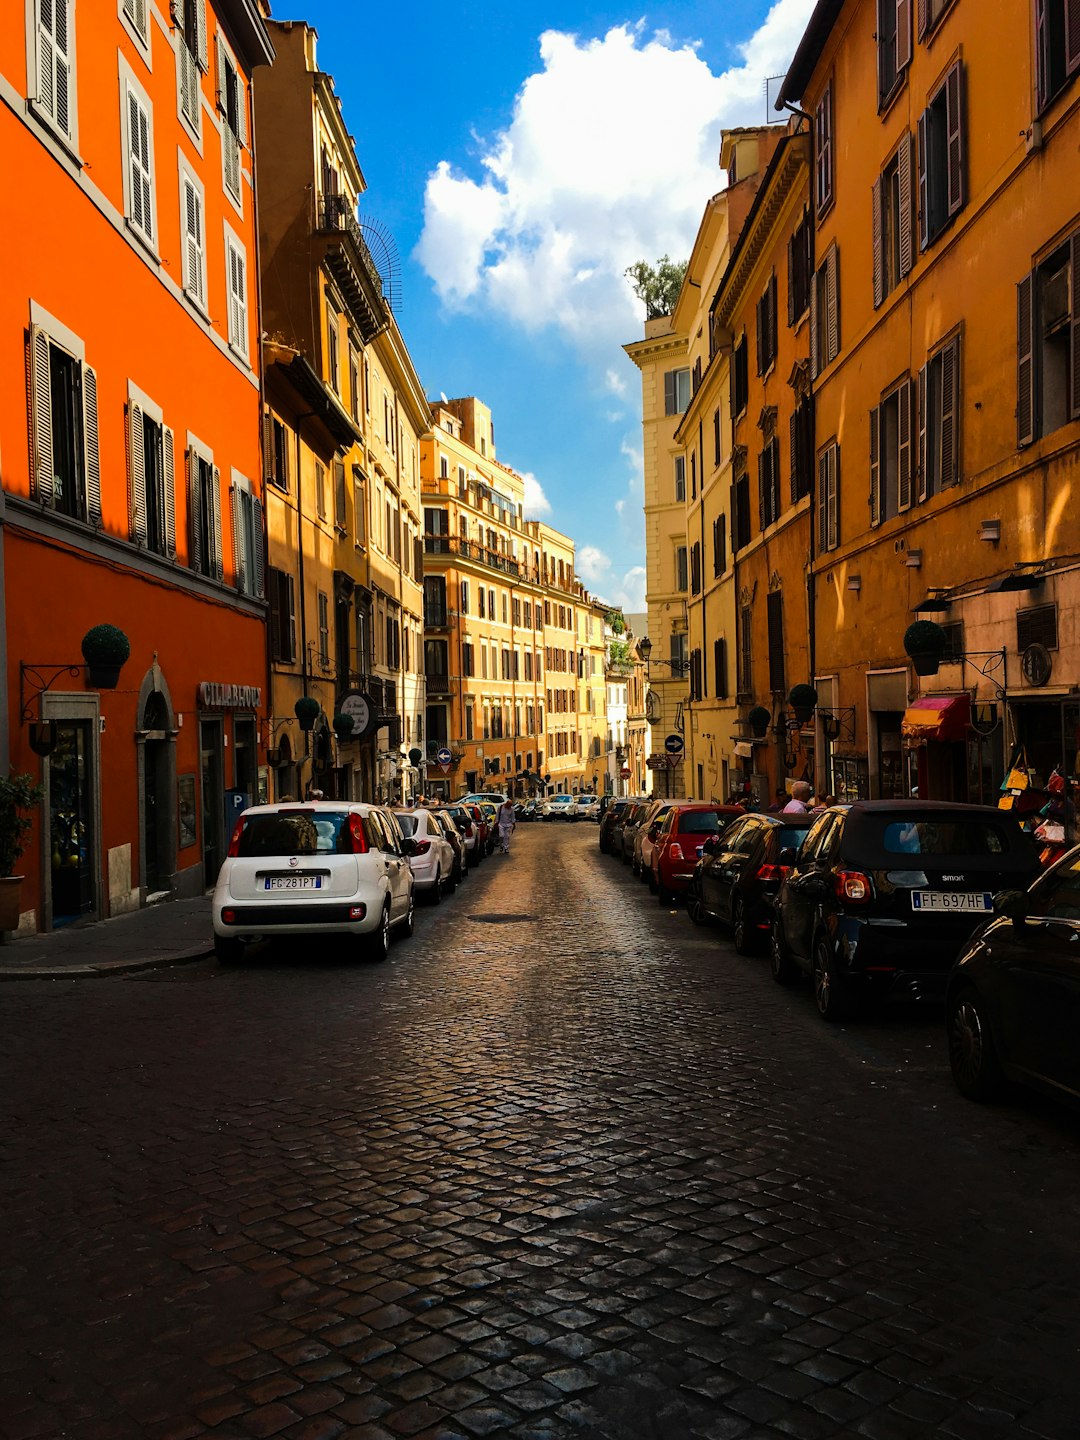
(800,794)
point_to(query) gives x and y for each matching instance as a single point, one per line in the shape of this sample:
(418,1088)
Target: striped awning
(937,717)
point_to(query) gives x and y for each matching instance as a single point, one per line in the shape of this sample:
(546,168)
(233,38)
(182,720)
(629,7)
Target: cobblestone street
(565,1165)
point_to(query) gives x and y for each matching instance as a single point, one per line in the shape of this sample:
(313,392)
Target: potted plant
(924,641)
(758,720)
(343,725)
(19,794)
(803,699)
(105,649)
(307,711)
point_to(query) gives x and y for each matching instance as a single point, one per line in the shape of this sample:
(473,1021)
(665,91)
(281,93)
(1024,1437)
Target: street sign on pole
(673,744)
(443,759)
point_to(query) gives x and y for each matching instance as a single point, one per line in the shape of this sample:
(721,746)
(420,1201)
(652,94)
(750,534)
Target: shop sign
(362,709)
(213,696)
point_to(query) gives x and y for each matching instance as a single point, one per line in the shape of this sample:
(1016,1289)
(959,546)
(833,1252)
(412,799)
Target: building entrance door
(213,798)
(71,823)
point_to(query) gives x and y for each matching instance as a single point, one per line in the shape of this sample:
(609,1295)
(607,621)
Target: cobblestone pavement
(564,1166)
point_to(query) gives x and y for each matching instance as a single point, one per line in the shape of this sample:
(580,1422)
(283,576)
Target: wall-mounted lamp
(913,559)
(854,582)
(990,531)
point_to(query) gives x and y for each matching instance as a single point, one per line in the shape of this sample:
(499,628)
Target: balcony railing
(350,260)
(438,684)
(481,555)
(436,617)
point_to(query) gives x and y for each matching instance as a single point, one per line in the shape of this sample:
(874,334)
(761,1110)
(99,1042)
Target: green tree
(657,286)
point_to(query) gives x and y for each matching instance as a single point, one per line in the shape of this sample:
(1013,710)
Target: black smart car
(737,877)
(1012,1010)
(884,894)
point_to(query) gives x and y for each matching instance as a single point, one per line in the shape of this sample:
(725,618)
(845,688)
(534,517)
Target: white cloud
(592,564)
(536,502)
(615,382)
(629,592)
(584,180)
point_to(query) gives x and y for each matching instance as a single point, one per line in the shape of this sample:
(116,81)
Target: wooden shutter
(256,535)
(194,251)
(759,317)
(924,458)
(200,34)
(791,280)
(875,466)
(1074,324)
(1042,55)
(733,503)
(903,35)
(669,393)
(91,448)
(815,280)
(763,512)
(720,680)
(824,149)
(832,294)
(198,560)
(834,497)
(905,166)
(139,173)
(926,122)
(168,484)
(1072,36)
(924,17)
(793,446)
(954,111)
(190,92)
(137,474)
(289,613)
(213,528)
(876,242)
(54,63)
(42,465)
(237,535)
(903,460)
(1026,379)
(822,502)
(221,63)
(948,448)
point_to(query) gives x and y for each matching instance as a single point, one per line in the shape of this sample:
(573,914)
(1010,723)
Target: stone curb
(103,970)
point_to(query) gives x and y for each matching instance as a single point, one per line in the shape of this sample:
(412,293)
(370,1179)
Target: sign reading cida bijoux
(213,696)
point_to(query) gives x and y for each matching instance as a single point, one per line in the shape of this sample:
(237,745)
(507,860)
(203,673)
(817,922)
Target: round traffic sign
(673,744)
(443,756)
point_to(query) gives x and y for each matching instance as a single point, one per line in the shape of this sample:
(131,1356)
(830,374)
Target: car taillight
(422,847)
(675,851)
(234,843)
(357,838)
(853,886)
(772,873)
(468,828)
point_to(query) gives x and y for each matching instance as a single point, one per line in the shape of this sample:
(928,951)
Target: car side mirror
(1013,904)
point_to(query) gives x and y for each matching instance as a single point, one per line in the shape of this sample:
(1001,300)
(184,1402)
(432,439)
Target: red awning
(937,717)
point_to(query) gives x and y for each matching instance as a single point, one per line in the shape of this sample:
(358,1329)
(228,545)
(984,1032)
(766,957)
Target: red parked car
(677,846)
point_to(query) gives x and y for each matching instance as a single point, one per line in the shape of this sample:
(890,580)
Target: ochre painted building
(947,386)
(130,441)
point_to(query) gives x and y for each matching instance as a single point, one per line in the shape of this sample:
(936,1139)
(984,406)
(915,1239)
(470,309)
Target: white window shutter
(168,481)
(238,323)
(43,472)
(197,560)
(238,535)
(241,111)
(190,94)
(214,527)
(231,150)
(220,59)
(137,474)
(54,64)
(91,449)
(200,34)
(194,267)
(141,194)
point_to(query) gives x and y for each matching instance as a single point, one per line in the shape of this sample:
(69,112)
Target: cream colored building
(593,632)
(563,765)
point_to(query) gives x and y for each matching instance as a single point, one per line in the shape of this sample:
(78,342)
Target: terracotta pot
(10,901)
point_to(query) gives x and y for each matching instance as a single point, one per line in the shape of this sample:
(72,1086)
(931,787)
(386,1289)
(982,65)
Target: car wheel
(378,942)
(780,962)
(436,889)
(973,1056)
(408,925)
(451,884)
(694,907)
(832,1001)
(664,896)
(228,950)
(740,928)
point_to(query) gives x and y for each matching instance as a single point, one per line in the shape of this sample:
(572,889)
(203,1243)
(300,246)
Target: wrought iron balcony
(349,260)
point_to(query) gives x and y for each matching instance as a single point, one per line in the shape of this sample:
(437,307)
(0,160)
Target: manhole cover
(503,919)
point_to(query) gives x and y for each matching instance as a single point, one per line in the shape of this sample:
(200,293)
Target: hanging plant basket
(43,736)
(758,720)
(343,726)
(105,649)
(803,699)
(307,711)
(273,756)
(924,641)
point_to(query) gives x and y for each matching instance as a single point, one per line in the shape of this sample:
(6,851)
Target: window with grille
(1037,626)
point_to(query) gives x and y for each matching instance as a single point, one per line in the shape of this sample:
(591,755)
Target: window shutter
(241,111)
(1072,36)
(91,449)
(1074,321)
(758,310)
(763,512)
(903,471)
(834,497)
(256,511)
(54,65)
(1042,54)
(43,470)
(791,280)
(669,393)
(733,503)
(238,535)
(824,149)
(198,560)
(924,17)
(924,459)
(903,34)
(290,610)
(238,326)
(269,456)
(875,466)
(193,242)
(793,446)
(822,501)
(214,527)
(832,291)
(221,63)
(773,319)
(925,127)
(190,93)
(814,321)
(200,34)
(954,111)
(137,474)
(875,240)
(142,213)
(907,204)
(1025,361)
(168,474)
(948,448)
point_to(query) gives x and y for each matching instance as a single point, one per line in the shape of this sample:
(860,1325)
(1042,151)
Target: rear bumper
(901,960)
(253,919)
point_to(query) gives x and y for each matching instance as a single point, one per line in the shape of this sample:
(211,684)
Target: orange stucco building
(946,360)
(130,441)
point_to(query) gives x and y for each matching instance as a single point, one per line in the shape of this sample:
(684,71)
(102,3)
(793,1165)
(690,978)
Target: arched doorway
(285,771)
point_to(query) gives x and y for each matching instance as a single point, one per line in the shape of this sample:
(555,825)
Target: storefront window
(70,823)
(851,778)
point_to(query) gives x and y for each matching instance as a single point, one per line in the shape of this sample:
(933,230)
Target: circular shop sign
(360,707)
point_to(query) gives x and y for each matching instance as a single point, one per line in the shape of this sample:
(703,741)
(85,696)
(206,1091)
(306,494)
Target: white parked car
(319,867)
(588,807)
(559,807)
(432,857)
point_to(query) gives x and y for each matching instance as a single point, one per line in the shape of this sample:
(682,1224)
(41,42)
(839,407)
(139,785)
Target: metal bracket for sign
(838,722)
(38,679)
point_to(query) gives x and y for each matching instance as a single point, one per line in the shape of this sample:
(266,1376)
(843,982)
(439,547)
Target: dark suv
(884,894)
(739,873)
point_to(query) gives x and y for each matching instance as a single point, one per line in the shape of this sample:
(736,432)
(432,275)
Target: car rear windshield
(792,836)
(930,835)
(703,822)
(406,823)
(295,832)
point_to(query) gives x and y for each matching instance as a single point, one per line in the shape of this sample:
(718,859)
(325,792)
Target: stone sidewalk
(164,934)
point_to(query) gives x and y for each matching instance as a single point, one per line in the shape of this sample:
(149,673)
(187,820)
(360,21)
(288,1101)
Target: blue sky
(522,157)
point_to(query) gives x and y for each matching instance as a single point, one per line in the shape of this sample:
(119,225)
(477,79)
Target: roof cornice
(792,158)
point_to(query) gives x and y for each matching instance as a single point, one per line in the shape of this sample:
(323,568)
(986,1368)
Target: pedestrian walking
(507,824)
(800,794)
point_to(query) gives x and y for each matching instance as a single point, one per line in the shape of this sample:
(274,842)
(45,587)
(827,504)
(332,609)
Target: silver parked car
(327,867)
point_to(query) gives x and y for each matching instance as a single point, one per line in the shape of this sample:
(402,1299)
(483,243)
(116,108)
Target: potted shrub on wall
(924,641)
(19,794)
(343,725)
(307,711)
(803,699)
(758,720)
(105,650)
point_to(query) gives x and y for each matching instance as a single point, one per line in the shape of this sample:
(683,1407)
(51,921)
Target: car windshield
(792,836)
(929,835)
(407,823)
(703,822)
(295,832)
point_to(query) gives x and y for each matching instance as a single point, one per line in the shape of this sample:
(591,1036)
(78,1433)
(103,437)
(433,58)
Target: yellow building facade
(946,193)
